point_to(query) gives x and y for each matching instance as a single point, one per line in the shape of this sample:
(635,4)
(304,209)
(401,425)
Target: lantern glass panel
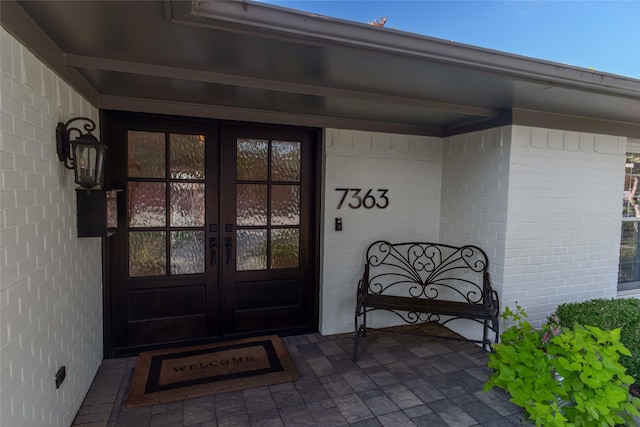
(88,156)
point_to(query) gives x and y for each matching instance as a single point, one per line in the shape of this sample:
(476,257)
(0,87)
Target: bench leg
(485,334)
(486,343)
(495,326)
(363,327)
(360,330)
(356,336)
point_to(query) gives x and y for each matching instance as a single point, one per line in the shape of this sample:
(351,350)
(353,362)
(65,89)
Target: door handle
(228,243)
(213,246)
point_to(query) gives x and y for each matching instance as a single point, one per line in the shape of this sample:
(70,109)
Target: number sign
(368,201)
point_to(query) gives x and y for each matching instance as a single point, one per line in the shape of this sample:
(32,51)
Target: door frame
(113,174)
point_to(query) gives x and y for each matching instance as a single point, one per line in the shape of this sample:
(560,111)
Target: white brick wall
(544,204)
(475,183)
(50,281)
(410,168)
(563,231)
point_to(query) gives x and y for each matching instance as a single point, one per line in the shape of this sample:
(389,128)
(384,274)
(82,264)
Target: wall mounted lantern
(84,154)
(97,208)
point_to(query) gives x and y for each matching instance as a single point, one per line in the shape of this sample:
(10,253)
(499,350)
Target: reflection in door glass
(252,157)
(285,205)
(147,253)
(285,248)
(146,154)
(251,251)
(187,204)
(187,156)
(187,252)
(147,204)
(285,161)
(251,205)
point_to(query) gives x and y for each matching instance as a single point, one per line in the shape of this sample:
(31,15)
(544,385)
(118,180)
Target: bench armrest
(363,284)
(494,302)
(490,296)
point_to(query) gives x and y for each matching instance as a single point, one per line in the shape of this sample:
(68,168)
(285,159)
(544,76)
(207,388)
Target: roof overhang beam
(260,116)
(145,69)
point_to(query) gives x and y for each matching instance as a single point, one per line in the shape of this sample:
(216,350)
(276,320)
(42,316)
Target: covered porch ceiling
(242,60)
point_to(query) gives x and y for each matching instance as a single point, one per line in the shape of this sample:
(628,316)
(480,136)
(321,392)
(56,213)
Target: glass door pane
(166,203)
(267,204)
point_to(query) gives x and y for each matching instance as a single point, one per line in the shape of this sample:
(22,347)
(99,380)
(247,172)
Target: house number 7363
(367,199)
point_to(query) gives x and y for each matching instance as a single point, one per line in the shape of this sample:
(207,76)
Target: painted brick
(76,103)
(33,72)
(47,319)
(41,105)
(12,181)
(587,142)
(32,115)
(476,191)
(410,171)
(362,140)
(23,128)
(539,138)
(33,148)
(539,182)
(344,139)
(6,123)
(399,143)
(63,96)
(6,86)
(26,232)
(22,93)
(15,217)
(548,191)
(12,143)
(381,141)
(6,55)
(556,139)
(12,106)
(24,164)
(7,162)
(48,85)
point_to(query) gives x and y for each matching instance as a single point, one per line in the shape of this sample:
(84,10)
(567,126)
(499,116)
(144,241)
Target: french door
(216,230)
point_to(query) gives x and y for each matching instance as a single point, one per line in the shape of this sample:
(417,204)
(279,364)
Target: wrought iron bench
(427,282)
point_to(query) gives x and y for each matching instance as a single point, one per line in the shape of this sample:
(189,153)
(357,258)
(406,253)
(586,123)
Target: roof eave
(274,21)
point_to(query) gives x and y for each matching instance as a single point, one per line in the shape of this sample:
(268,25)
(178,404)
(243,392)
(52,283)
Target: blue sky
(604,35)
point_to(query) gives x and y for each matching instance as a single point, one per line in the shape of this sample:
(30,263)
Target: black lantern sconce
(97,208)
(84,154)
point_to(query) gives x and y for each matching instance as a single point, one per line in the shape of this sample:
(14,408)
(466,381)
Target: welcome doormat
(163,376)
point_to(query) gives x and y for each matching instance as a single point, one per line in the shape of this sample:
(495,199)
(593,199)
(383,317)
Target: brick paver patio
(399,380)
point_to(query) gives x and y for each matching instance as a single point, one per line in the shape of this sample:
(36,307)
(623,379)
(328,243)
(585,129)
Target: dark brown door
(216,230)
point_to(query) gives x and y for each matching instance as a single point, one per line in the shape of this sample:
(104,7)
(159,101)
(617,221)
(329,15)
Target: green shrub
(563,376)
(608,315)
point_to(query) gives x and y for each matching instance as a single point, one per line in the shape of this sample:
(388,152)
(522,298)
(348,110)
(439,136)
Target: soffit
(248,58)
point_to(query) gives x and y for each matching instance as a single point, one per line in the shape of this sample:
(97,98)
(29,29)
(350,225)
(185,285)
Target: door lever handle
(228,243)
(213,246)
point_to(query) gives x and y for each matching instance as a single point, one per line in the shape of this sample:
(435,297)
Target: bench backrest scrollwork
(428,270)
